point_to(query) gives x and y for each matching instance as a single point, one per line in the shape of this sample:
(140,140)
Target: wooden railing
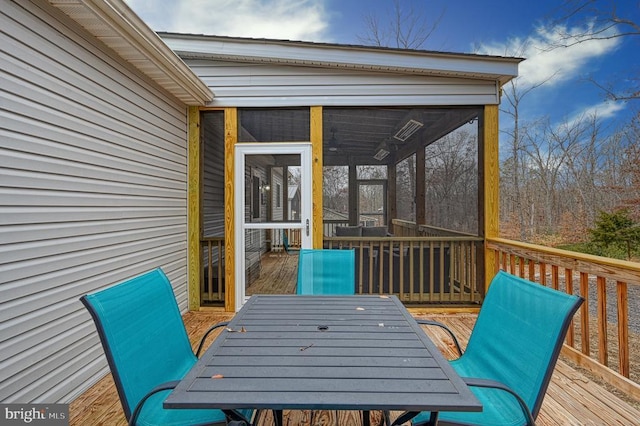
(606,284)
(212,279)
(404,228)
(417,269)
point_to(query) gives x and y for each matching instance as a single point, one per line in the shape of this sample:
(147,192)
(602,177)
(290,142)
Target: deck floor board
(572,398)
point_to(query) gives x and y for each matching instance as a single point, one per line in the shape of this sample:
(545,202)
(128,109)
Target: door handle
(307,227)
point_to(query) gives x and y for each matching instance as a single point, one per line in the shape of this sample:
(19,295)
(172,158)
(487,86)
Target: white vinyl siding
(266,85)
(93,171)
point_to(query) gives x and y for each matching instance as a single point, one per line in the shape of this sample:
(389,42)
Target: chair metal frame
(123,340)
(533,316)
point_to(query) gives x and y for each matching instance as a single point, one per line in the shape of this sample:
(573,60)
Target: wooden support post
(230,139)
(194,217)
(490,185)
(317,169)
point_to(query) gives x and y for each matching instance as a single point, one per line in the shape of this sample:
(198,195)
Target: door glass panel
(273,226)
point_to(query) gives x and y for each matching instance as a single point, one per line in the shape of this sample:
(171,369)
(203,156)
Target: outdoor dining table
(287,352)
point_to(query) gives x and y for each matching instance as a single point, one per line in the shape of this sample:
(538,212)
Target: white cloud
(552,66)
(278,19)
(601,111)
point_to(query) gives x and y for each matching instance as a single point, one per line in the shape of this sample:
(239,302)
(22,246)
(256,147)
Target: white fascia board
(501,69)
(116,25)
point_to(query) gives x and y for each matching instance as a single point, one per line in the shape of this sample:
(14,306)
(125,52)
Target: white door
(273,205)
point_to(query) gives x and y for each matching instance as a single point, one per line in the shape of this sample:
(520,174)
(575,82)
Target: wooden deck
(572,397)
(278,274)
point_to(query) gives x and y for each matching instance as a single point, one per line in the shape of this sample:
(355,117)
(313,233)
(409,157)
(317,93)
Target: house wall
(92,191)
(212,129)
(282,85)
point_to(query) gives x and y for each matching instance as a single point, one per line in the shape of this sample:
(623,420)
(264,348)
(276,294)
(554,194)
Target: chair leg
(366,418)
(386,418)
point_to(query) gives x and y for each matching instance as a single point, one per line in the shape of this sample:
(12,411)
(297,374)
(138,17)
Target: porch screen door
(273,207)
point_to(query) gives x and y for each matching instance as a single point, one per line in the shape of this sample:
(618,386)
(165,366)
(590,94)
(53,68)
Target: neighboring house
(103,175)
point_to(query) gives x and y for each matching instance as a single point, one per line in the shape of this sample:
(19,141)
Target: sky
(520,28)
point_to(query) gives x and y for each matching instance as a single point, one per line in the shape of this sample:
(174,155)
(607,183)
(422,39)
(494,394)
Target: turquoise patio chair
(326,272)
(511,353)
(148,350)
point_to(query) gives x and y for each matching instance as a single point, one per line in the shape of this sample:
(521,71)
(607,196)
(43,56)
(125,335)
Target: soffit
(118,27)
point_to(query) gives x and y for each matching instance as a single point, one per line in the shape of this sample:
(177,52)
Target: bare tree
(335,188)
(514,95)
(451,169)
(402,27)
(599,20)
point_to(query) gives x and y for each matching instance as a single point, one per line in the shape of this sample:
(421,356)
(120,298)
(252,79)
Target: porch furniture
(323,353)
(511,353)
(327,272)
(362,231)
(348,231)
(375,231)
(148,351)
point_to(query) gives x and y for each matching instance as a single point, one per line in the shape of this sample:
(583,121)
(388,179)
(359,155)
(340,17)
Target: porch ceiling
(353,135)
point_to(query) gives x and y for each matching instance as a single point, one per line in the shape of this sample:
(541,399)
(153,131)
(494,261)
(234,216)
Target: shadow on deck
(572,398)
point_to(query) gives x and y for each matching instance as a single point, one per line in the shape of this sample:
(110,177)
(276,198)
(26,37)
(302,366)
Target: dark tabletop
(323,352)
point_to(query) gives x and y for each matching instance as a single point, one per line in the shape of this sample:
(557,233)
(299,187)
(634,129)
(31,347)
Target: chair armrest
(206,334)
(439,324)
(492,384)
(234,418)
(161,387)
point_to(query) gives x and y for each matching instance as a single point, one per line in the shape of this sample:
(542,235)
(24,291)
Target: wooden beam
(490,184)
(230,139)
(421,187)
(354,190)
(194,213)
(392,210)
(316,172)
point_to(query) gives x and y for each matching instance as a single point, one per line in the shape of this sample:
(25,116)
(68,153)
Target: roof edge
(373,58)
(117,26)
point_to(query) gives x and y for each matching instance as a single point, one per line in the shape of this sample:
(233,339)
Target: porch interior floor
(278,274)
(572,398)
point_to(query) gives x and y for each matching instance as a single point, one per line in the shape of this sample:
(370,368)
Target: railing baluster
(532,270)
(431,270)
(584,314)
(623,328)
(603,354)
(210,269)
(401,270)
(555,277)
(568,280)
